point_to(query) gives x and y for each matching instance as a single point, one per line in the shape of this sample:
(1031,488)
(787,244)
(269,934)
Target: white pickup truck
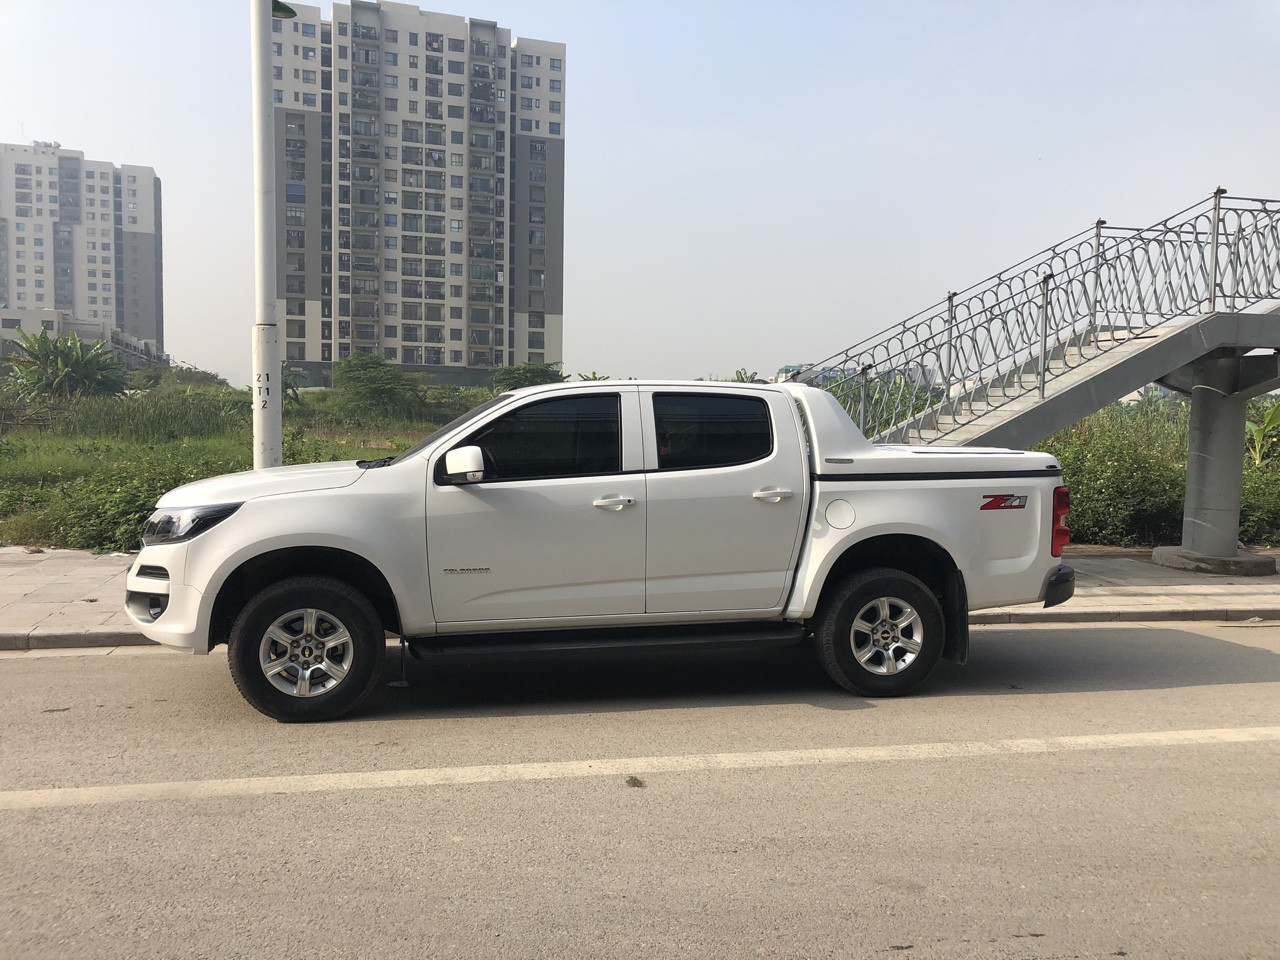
(601,514)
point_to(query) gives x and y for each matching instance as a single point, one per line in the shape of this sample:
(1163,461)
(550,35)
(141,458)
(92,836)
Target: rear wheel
(879,633)
(306,648)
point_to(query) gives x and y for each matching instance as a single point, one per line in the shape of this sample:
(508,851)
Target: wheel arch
(267,568)
(925,560)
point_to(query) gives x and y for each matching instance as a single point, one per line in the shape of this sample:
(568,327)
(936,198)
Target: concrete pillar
(1220,384)
(1211,512)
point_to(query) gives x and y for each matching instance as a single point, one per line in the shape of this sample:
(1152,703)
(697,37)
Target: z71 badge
(1003,501)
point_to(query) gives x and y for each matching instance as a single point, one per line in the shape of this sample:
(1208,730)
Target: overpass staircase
(1187,302)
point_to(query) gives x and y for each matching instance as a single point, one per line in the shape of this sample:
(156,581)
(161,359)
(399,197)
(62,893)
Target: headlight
(174,526)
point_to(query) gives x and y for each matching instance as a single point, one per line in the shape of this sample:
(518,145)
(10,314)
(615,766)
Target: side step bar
(747,633)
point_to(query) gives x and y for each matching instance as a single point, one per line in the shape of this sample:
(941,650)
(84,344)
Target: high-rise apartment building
(419,191)
(80,247)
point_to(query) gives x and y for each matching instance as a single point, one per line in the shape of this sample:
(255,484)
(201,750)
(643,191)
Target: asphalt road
(1072,792)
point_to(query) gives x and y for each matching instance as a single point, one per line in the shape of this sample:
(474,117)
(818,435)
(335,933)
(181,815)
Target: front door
(556,529)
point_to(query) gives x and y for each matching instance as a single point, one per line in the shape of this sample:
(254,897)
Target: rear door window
(696,431)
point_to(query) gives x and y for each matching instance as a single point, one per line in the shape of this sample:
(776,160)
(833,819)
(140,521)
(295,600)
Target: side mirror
(464,465)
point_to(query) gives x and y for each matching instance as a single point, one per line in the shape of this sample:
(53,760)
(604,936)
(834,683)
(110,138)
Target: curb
(54,639)
(1130,615)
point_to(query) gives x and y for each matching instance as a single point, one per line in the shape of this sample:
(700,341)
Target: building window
(554,128)
(555,86)
(456,45)
(390,36)
(526,126)
(526,60)
(556,64)
(554,105)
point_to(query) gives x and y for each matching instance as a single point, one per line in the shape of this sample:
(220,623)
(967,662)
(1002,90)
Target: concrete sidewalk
(58,599)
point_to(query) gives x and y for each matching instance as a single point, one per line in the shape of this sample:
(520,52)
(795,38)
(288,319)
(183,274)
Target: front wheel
(879,633)
(306,648)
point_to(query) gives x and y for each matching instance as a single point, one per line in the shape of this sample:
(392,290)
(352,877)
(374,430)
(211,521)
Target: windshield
(437,434)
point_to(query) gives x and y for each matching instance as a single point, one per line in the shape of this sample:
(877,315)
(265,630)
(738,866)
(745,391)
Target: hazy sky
(748,184)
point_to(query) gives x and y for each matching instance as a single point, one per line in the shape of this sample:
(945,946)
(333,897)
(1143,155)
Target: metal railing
(1017,331)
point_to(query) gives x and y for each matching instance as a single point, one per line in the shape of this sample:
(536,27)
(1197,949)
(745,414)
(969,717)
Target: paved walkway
(59,599)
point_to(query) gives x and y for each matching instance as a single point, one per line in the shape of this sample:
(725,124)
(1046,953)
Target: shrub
(1126,468)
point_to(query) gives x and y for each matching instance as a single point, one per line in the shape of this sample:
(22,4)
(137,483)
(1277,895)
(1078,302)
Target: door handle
(614,503)
(773,495)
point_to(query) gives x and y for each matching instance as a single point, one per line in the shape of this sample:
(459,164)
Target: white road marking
(183,790)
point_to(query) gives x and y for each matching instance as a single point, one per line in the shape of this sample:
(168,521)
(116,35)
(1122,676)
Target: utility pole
(265,388)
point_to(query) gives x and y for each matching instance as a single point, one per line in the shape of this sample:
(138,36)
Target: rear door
(727,495)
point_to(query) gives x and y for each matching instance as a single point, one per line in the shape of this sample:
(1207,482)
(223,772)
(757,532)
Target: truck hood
(239,487)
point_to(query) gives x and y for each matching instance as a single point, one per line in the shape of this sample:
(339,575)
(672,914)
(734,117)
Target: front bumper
(168,612)
(1059,586)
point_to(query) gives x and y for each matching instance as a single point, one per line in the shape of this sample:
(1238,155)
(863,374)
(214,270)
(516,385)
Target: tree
(366,389)
(64,367)
(290,385)
(174,376)
(1262,433)
(593,376)
(526,375)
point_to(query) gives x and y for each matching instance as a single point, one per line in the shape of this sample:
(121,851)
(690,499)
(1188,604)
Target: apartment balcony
(483,114)
(364,33)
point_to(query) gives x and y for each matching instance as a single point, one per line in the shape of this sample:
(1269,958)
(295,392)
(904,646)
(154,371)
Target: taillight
(1061,507)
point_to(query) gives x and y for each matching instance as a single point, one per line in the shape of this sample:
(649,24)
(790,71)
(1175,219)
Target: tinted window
(697,430)
(571,437)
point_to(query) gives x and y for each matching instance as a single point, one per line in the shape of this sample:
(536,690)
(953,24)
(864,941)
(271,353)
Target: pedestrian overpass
(1191,302)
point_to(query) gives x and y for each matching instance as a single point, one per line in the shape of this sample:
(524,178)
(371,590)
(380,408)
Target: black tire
(867,639)
(301,630)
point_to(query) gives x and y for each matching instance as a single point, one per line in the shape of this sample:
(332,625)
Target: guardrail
(1054,311)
